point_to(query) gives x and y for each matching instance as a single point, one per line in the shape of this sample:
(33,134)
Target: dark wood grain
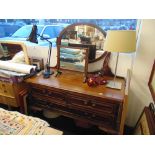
(150,81)
(69,96)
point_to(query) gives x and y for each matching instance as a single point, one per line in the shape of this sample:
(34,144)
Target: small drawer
(102,106)
(78,100)
(49,93)
(38,90)
(6,88)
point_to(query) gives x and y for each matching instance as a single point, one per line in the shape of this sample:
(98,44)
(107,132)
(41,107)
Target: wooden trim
(86,64)
(150,80)
(125,105)
(128,80)
(124,112)
(22,94)
(78,24)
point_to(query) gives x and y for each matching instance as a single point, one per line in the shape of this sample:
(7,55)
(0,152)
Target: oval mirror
(87,36)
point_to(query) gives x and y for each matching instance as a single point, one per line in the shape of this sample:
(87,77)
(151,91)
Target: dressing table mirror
(79,44)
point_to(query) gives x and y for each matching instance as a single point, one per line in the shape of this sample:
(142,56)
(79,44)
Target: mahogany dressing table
(67,95)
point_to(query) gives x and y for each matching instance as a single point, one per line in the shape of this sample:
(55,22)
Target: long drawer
(49,95)
(48,100)
(97,111)
(93,105)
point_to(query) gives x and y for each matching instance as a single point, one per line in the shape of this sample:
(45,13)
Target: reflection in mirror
(73,58)
(87,36)
(45,36)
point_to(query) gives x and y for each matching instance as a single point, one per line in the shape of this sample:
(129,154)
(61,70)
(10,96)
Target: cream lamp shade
(120,41)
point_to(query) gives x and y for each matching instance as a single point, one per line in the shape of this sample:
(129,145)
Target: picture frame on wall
(151,82)
(142,125)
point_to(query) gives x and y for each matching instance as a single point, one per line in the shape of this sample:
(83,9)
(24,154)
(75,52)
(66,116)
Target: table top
(73,81)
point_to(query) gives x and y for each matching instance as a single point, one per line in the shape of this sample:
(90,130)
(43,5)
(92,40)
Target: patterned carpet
(68,126)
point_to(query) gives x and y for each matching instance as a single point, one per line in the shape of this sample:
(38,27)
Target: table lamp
(119,41)
(33,38)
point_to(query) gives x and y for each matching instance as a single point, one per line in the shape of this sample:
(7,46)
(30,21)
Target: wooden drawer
(48,101)
(104,106)
(92,117)
(52,94)
(6,89)
(97,106)
(9,101)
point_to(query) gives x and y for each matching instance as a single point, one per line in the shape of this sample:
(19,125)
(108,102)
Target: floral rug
(14,123)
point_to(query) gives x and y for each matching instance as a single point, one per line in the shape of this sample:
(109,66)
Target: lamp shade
(120,41)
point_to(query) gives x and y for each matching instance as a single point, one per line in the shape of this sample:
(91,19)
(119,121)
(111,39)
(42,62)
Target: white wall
(42,52)
(139,94)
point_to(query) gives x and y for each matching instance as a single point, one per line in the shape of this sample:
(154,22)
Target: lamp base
(114,85)
(47,73)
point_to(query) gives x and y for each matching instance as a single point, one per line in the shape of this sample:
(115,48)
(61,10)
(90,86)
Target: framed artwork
(146,122)
(142,127)
(152,82)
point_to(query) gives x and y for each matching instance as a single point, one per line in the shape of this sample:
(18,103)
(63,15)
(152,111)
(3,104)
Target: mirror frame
(78,24)
(58,58)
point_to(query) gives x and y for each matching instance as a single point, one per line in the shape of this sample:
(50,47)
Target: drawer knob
(85,103)
(93,105)
(3,85)
(5,91)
